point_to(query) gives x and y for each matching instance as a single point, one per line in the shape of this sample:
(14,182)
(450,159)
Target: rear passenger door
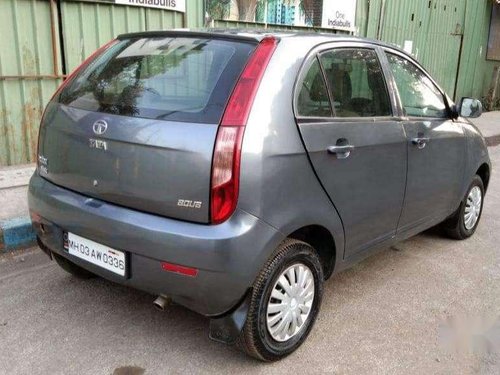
(436,147)
(357,148)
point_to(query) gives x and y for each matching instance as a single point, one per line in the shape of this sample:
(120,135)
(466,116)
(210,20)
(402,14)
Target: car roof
(257,35)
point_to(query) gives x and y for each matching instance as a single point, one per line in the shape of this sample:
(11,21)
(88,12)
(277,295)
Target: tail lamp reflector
(227,152)
(183,270)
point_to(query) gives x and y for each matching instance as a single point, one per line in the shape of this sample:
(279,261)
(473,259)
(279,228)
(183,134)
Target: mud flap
(227,329)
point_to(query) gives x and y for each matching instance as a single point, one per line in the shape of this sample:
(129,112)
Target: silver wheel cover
(472,207)
(290,302)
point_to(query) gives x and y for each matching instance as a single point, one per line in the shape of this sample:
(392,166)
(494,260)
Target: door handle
(420,142)
(342,152)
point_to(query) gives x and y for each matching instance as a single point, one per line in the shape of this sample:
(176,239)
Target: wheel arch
(321,239)
(484,172)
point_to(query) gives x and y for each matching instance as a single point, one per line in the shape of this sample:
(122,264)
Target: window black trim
(327,87)
(304,71)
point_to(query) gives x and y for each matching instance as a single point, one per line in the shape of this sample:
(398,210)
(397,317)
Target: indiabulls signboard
(339,14)
(177,5)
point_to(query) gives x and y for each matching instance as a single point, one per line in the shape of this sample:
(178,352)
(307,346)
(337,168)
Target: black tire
(454,226)
(255,339)
(72,268)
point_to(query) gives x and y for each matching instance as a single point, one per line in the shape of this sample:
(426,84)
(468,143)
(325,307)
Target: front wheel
(464,222)
(286,298)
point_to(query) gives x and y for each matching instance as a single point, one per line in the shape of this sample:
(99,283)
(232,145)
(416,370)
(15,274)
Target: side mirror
(470,108)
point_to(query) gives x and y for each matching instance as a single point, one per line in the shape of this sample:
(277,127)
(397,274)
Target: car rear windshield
(174,78)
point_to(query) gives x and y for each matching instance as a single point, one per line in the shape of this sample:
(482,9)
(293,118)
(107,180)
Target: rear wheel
(464,222)
(72,268)
(285,302)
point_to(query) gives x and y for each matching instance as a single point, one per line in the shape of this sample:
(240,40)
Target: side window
(419,96)
(313,98)
(356,82)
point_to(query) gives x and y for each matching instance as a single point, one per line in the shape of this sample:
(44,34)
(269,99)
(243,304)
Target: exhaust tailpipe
(161,302)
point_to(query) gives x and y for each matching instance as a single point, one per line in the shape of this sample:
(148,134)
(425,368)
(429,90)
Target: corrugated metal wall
(28,74)
(475,72)
(87,26)
(449,37)
(433,27)
(195,13)
(25,50)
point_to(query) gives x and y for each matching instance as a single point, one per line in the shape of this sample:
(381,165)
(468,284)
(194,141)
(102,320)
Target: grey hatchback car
(234,172)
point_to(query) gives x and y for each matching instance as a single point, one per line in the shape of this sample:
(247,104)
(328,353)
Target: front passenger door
(436,147)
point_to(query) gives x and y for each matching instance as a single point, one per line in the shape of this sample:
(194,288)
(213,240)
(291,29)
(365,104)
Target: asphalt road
(429,305)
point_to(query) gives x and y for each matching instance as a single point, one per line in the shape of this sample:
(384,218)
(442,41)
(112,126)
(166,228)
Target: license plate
(95,253)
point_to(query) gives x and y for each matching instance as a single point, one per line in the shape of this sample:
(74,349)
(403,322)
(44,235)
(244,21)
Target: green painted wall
(476,73)
(89,25)
(25,49)
(436,28)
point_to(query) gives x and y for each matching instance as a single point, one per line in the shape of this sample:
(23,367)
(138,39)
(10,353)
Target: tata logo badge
(100,127)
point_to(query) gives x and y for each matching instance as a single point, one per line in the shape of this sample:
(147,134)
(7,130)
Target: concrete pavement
(13,187)
(429,305)
(488,123)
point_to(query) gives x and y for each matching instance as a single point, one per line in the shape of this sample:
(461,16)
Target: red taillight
(175,268)
(240,103)
(225,172)
(35,217)
(227,152)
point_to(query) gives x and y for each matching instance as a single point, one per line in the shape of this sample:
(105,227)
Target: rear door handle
(342,152)
(420,142)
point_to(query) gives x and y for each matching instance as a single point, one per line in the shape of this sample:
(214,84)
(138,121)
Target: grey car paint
(149,164)
(378,160)
(435,170)
(222,253)
(288,182)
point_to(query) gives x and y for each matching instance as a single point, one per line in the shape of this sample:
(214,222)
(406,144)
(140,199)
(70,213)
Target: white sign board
(339,14)
(177,5)
(408,46)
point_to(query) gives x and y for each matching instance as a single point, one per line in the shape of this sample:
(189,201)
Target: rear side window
(179,79)
(313,98)
(356,83)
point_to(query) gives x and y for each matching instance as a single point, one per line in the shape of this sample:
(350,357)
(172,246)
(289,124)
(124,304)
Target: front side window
(419,96)
(313,98)
(356,83)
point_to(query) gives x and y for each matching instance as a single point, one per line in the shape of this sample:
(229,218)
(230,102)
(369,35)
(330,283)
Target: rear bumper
(228,256)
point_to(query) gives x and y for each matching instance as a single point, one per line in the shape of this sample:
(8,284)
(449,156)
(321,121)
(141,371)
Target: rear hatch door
(137,126)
